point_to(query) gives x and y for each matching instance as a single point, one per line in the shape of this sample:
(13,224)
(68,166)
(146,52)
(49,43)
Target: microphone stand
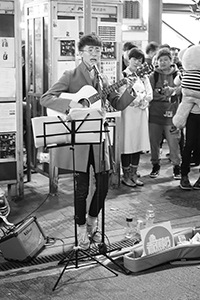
(102,246)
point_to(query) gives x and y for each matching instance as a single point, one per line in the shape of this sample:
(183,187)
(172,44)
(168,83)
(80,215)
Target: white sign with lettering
(157,238)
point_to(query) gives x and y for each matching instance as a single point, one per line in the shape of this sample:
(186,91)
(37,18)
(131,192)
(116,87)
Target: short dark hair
(90,40)
(137,53)
(128,46)
(163,52)
(164,46)
(151,46)
(174,49)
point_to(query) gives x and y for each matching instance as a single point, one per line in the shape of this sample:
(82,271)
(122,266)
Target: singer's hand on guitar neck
(130,80)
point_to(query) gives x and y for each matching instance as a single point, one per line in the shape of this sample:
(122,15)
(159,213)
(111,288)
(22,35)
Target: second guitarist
(135,129)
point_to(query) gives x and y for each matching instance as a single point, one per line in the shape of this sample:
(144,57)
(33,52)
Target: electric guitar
(90,95)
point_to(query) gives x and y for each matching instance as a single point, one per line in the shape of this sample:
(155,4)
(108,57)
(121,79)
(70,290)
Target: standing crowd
(172,81)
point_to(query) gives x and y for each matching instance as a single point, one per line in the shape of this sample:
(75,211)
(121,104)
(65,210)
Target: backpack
(156,74)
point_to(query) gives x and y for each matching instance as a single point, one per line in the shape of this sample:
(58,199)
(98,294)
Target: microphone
(96,71)
(99,84)
(4,209)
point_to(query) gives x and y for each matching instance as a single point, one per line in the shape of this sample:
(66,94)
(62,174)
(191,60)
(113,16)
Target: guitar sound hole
(85,102)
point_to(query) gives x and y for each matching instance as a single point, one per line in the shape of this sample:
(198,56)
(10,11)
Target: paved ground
(55,216)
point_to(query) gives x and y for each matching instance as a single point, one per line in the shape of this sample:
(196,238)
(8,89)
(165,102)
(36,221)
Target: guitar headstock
(143,70)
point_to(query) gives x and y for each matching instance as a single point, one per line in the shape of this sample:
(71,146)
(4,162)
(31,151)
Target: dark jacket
(163,106)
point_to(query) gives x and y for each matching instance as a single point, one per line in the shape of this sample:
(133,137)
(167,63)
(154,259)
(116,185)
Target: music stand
(73,131)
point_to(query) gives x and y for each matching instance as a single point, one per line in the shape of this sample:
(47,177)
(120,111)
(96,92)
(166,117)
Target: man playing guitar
(71,82)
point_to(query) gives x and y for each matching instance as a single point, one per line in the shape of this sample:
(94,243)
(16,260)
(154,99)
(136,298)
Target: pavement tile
(55,214)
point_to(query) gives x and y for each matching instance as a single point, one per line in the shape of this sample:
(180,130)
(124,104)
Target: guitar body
(86,92)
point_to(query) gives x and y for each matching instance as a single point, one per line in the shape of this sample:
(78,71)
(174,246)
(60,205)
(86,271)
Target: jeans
(192,141)
(156,135)
(82,180)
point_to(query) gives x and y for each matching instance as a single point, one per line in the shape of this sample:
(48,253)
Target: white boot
(92,230)
(134,176)
(83,239)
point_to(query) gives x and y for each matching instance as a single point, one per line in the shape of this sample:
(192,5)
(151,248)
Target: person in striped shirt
(190,86)
(188,113)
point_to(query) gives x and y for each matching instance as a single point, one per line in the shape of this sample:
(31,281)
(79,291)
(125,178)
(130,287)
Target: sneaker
(196,186)
(185,183)
(176,172)
(83,240)
(155,171)
(94,234)
(138,174)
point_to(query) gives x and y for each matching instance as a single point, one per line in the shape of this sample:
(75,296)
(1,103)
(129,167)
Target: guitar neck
(107,91)
(113,87)
(144,69)
(140,72)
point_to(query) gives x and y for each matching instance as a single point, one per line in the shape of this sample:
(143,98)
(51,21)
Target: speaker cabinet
(23,242)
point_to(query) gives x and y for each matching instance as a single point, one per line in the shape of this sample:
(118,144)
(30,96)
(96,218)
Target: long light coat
(134,129)
(71,82)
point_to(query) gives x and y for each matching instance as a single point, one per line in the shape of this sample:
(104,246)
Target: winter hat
(164,52)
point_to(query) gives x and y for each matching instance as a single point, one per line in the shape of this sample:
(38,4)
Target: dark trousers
(192,137)
(195,154)
(130,159)
(82,189)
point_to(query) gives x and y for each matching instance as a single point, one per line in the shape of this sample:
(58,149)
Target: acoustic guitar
(88,94)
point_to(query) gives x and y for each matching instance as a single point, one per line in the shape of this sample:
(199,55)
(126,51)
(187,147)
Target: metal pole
(87,16)
(155,21)
(19,109)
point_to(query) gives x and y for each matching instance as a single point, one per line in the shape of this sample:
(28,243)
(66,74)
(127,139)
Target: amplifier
(24,241)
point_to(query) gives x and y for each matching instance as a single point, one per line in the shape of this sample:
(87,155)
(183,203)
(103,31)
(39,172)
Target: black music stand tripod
(73,255)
